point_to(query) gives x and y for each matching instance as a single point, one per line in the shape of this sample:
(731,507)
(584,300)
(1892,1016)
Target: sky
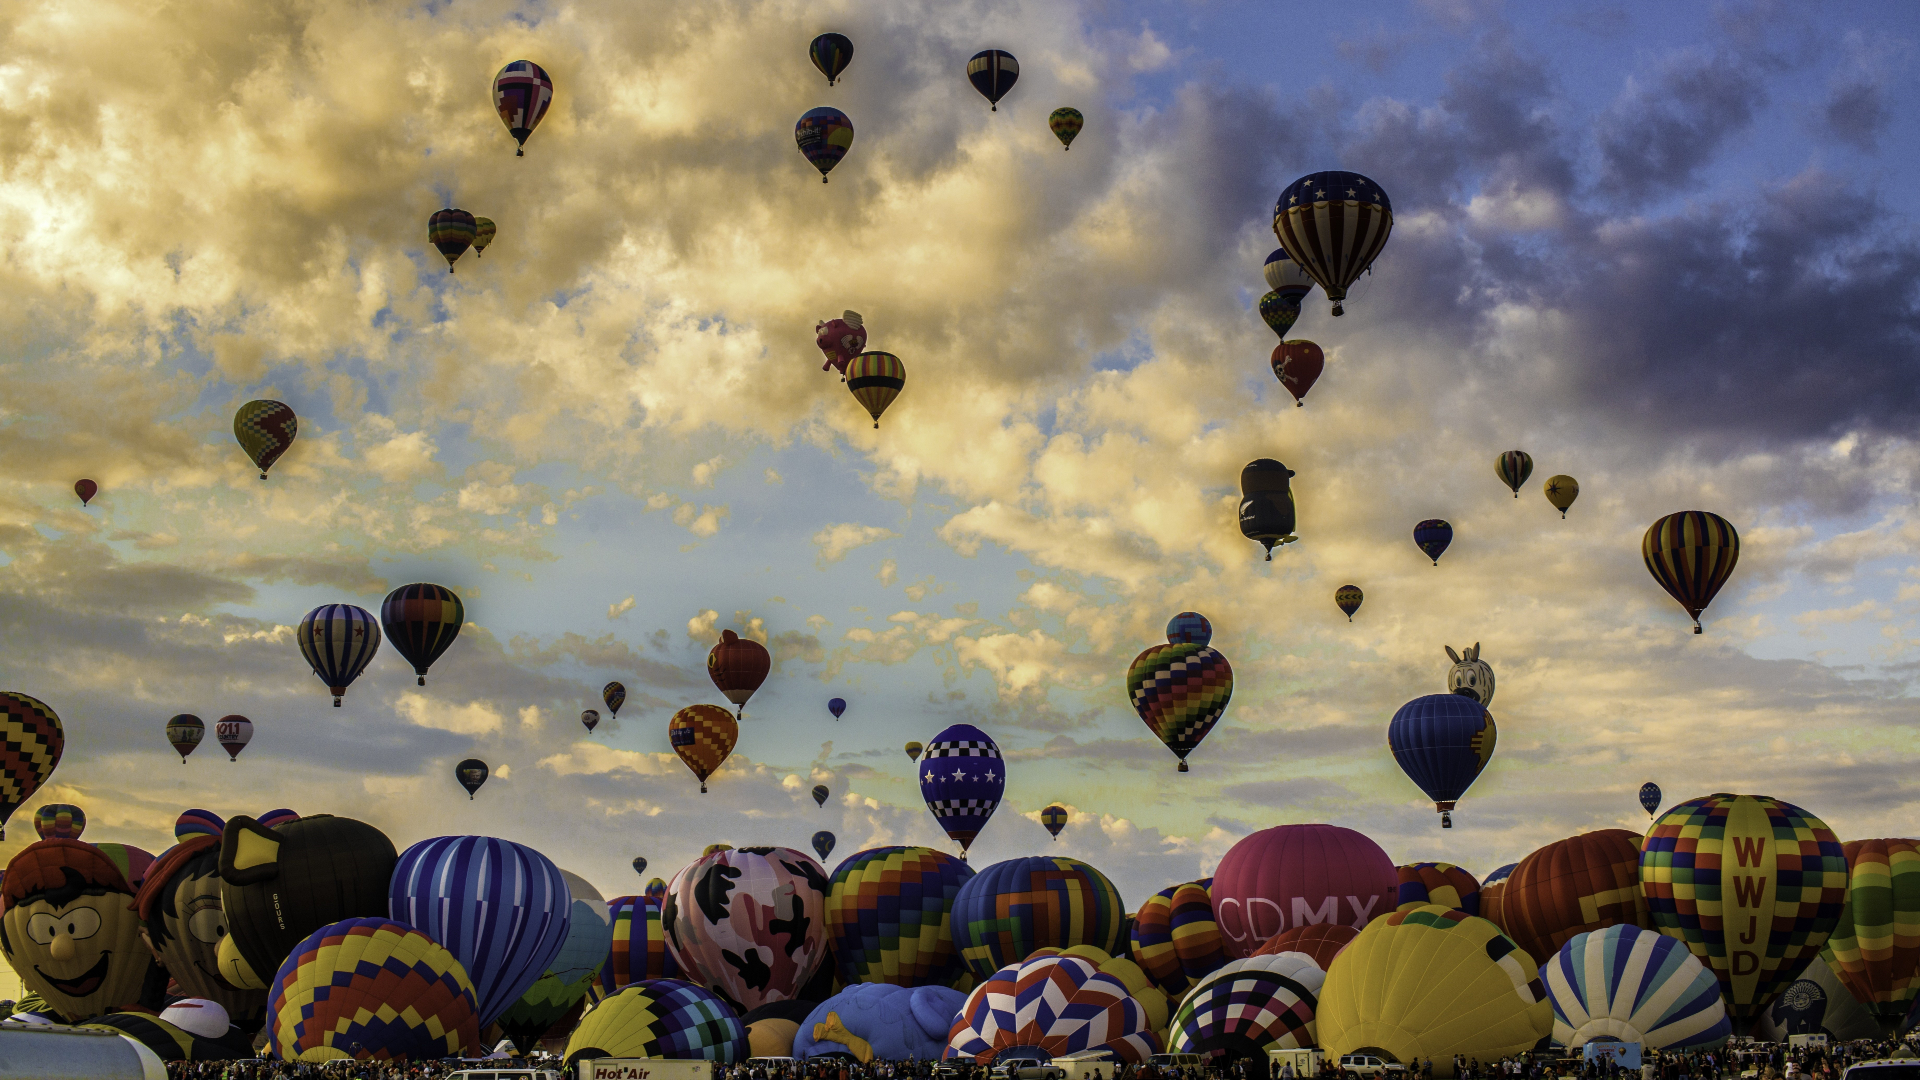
(1669,250)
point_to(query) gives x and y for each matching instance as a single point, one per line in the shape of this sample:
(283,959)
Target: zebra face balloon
(1470,675)
(747,923)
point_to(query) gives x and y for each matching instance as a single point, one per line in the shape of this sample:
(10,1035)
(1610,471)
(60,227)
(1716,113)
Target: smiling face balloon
(183,925)
(69,929)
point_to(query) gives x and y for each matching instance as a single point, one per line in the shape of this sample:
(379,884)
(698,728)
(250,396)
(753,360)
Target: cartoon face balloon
(746,923)
(1470,675)
(69,929)
(183,925)
(841,340)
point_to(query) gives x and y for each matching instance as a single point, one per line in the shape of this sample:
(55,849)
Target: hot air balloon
(840,340)
(703,736)
(831,53)
(86,489)
(1493,895)
(59,821)
(1297,363)
(421,620)
(1470,676)
(837,706)
(1065,123)
(1215,1018)
(875,379)
(372,989)
(993,72)
(660,1018)
(1174,937)
(615,695)
(1442,741)
(1058,1002)
(185,732)
(1279,314)
(1285,276)
(1320,942)
(1296,875)
(1513,468)
(590,718)
(1266,504)
(522,93)
(1011,908)
(1633,985)
(265,430)
(1180,691)
(1347,598)
(1432,983)
(554,997)
(913,751)
(888,913)
(471,773)
(1561,491)
(823,844)
(962,782)
(1691,554)
(31,741)
(747,923)
(338,640)
(1333,224)
(281,882)
(452,232)
(656,888)
(1189,628)
(638,951)
(1438,883)
(1875,948)
(1650,798)
(192,823)
(233,732)
(501,908)
(483,233)
(820,794)
(1432,537)
(1753,885)
(824,136)
(1053,819)
(737,667)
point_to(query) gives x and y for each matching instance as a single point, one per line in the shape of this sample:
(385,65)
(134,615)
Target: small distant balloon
(824,136)
(59,821)
(451,231)
(522,93)
(265,429)
(471,773)
(1054,818)
(1348,598)
(1065,124)
(837,706)
(614,695)
(1650,798)
(840,340)
(875,379)
(590,717)
(1513,468)
(1561,491)
(1432,536)
(1279,313)
(1189,628)
(185,732)
(640,864)
(913,751)
(1297,363)
(993,72)
(483,233)
(831,53)
(86,489)
(233,733)
(656,888)
(823,842)
(1285,276)
(820,794)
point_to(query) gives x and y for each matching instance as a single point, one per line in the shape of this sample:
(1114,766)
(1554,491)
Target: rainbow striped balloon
(59,821)
(639,949)
(1875,948)
(1175,939)
(875,379)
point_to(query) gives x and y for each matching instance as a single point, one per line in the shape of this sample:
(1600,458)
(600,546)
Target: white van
(1306,1063)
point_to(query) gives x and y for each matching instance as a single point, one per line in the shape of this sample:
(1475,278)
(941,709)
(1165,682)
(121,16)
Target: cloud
(615,611)
(835,541)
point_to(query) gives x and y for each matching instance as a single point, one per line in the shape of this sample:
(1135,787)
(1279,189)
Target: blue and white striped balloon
(502,909)
(338,640)
(1637,986)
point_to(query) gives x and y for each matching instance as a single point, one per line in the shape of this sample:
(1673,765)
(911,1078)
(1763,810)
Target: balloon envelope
(1513,468)
(1334,225)
(962,781)
(1060,1003)
(1296,875)
(1572,886)
(824,136)
(1348,599)
(1442,742)
(875,379)
(637,950)
(339,641)
(1561,491)
(299,875)
(823,842)
(265,430)
(452,232)
(1320,942)
(590,718)
(746,923)
(1650,798)
(820,794)
(831,53)
(1691,554)
(660,1018)
(1012,908)
(837,706)
(86,489)
(1065,123)
(615,695)
(185,731)
(703,736)
(738,666)
(1285,276)
(1636,986)
(1180,691)
(1875,947)
(1432,536)
(1053,819)
(31,742)
(1189,628)
(1297,363)
(421,620)
(1220,1017)
(522,93)
(234,732)
(993,72)
(373,989)
(889,915)
(470,774)
(59,821)
(1174,937)
(1438,883)
(912,751)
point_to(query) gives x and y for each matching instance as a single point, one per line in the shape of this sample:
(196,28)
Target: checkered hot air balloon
(1180,691)
(824,136)
(1438,883)
(1442,742)
(962,778)
(615,695)
(1753,885)
(339,641)
(1060,1002)
(1189,628)
(746,923)
(660,1018)
(421,621)
(1249,1006)
(1513,468)
(875,379)
(59,821)
(1334,225)
(31,741)
(1280,308)
(638,951)
(522,94)
(1691,554)
(889,914)
(371,989)
(1875,947)
(1012,908)
(1635,986)
(1174,937)
(265,430)
(1650,798)
(703,736)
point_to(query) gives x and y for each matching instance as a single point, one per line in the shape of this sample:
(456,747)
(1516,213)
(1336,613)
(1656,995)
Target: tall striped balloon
(1513,468)
(502,909)
(1875,949)
(875,379)
(1636,986)
(889,913)
(1175,939)
(452,232)
(421,620)
(1333,224)
(31,741)
(1691,554)
(639,950)
(338,640)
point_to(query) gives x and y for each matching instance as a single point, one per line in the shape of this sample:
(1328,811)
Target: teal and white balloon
(1637,986)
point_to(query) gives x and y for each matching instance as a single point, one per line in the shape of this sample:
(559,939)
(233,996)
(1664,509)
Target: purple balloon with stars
(962,777)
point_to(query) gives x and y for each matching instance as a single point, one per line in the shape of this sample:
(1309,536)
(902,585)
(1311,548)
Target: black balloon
(471,773)
(1266,506)
(277,885)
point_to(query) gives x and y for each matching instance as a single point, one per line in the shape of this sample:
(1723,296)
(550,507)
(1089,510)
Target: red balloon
(1321,941)
(738,666)
(86,489)
(1297,363)
(1574,886)
(1300,875)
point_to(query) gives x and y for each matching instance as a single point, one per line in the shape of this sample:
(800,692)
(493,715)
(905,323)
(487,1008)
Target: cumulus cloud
(835,541)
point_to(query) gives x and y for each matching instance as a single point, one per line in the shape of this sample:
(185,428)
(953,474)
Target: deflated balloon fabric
(892,1023)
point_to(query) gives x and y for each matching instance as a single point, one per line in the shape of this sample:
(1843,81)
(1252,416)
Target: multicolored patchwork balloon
(1691,554)
(1189,628)
(371,989)
(31,741)
(192,823)
(339,641)
(1334,224)
(660,1018)
(1012,908)
(1065,123)
(1249,1006)
(1279,313)
(1633,985)
(962,780)
(824,136)
(1753,885)
(875,379)
(1650,798)
(1875,947)
(522,94)
(703,736)
(421,620)
(888,913)
(1438,883)
(746,923)
(59,821)
(1061,1002)
(1180,691)
(1442,742)
(265,430)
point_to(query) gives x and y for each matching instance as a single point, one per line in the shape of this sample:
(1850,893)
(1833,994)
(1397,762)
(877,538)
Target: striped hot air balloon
(831,53)
(875,379)
(484,231)
(1053,819)
(638,951)
(338,640)
(1691,554)
(59,821)
(1334,225)
(1513,468)
(31,741)
(889,915)
(1875,948)
(1635,986)
(421,621)
(452,232)
(993,72)
(1174,937)
(373,989)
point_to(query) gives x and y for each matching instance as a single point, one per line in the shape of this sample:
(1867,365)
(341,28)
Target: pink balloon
(1298,875)
(842,340)
(747,923)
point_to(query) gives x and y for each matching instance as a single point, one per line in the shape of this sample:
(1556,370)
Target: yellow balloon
(1429,983)
(913,751)
(1561,491)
